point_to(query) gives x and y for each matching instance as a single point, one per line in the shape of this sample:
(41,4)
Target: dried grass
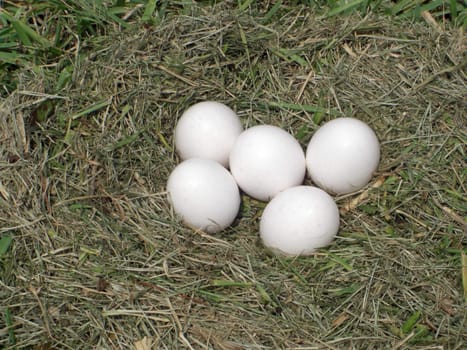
(98,259)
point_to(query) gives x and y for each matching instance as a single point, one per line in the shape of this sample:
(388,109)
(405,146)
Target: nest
(99,260)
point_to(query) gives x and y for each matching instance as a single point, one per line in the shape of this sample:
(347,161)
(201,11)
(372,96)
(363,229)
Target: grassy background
(91,255)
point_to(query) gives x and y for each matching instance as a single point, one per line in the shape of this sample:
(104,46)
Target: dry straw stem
(98,259)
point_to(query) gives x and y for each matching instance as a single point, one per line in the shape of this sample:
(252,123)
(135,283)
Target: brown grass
(98,259)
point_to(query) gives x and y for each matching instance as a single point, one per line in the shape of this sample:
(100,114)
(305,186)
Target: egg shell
(266,160)
(342,155)
(299,220)
(207,130)
(204,194)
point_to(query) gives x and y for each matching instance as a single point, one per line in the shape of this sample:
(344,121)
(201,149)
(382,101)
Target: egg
(266,160)
(207,130)
(342,155)
(299,220)
(204,194)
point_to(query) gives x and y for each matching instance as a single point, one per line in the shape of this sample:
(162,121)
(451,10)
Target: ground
(97,259)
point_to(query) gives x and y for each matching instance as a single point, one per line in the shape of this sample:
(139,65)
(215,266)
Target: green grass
(91,254)
(26,42)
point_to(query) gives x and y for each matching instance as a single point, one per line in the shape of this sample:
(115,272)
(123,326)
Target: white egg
(342,155)
(266,160)
(299,220)
(207,130)
(204,194)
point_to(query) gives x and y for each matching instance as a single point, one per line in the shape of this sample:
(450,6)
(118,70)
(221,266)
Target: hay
(99,260)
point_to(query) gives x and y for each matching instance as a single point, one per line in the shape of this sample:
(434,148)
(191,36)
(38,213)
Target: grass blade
(226,283)
(453,9)
(245,5)
(22,35)
(303,132)
(345,7)
(123,142)
(5,243)
(272,11)
(26,34)
(410,322)
(417,11)
(91,109)
(264,295)
(402,6)
(288,55)
(304,108)
(8,45)
(11,57)
(354,287)
(9,324)
(341,262)
(149,10)
(464,273)
(64,78)
(213,297)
